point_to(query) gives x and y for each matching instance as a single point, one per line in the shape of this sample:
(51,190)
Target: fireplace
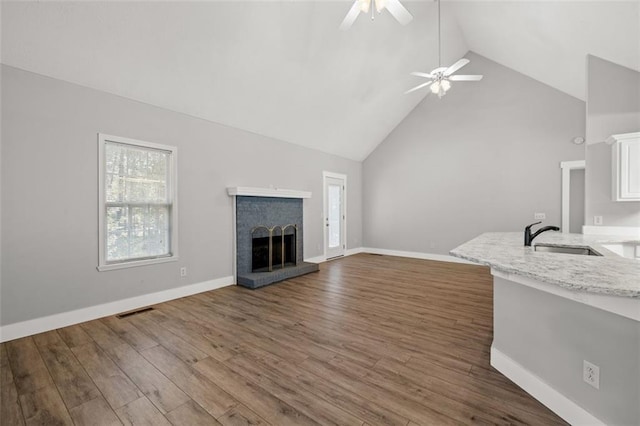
(269,238)
(273,248)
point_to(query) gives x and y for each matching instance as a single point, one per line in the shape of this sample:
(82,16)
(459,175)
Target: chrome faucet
(528,237)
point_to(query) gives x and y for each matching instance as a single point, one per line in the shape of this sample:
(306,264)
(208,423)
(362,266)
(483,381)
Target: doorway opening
(573,196)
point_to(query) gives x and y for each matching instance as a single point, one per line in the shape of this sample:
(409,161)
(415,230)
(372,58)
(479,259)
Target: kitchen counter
(609,274)
(555,316)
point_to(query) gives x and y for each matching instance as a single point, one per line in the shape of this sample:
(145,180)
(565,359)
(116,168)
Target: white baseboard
(353,251)
(542,391)
(614,231)
(411,254)
(417,255)
(64,319)
(348,252)
(317,259)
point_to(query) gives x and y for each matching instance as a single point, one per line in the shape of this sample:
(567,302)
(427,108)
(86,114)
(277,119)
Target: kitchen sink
(585,251)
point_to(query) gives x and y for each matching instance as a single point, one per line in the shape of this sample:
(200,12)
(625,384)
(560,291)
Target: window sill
(136,263)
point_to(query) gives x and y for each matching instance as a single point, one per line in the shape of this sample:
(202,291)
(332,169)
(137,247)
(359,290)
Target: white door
(334,215)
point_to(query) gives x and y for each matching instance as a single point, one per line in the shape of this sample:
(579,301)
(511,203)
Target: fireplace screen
(273,248)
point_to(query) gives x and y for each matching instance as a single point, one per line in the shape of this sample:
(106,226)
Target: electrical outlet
(539,216)
(597,220)
(591,374)
(183,271)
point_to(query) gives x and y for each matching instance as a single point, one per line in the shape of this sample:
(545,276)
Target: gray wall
(613,107)
(50,193)
(576,201)
(551,336)
(483,158)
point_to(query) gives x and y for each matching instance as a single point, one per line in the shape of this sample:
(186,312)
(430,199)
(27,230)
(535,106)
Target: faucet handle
(529,227)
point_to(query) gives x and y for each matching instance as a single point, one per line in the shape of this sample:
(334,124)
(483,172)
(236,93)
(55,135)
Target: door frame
(325,175)
(566,167)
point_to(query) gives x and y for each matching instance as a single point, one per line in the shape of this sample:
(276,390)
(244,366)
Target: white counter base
(543,334)
(542,391)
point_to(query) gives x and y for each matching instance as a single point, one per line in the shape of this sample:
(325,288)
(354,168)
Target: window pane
(334,215)
(136,175)
(137,232)
(117,233)
(149,231)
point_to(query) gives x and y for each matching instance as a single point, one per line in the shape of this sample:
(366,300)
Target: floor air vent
(128,314)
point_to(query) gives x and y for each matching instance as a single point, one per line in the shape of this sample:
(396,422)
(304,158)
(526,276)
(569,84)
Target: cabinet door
(627,170)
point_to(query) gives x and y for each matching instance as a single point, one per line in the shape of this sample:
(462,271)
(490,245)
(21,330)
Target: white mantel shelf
(246,191)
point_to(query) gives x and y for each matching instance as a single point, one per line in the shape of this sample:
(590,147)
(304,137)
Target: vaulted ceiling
(284,70)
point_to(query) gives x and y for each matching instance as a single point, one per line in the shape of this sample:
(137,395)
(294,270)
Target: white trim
(542,391)
(627,307)
(417,255)
(621,166)
(234,240)
(613,231)
(173,196)
(343,243)
(566,167)
(64,319)
(136,263)
(334,175)
(348,252)
(575,164)
(352,251)
(621,137)
(266,192)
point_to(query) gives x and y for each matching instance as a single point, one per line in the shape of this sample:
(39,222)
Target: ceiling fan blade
(455,67)
(418,87)
(423,74)
(398,11)
(351,16)
(465,78)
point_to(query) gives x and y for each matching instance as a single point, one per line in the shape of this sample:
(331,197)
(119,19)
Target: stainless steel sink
(585,251)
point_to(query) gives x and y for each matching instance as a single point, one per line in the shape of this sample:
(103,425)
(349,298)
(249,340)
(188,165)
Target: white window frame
(173,196)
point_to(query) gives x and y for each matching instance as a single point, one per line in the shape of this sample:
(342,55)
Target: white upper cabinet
(626,166)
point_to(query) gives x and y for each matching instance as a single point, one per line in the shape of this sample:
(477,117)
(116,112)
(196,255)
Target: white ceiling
(284,70)
(549,41)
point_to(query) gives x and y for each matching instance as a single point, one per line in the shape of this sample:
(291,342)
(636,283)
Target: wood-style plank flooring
(368,340)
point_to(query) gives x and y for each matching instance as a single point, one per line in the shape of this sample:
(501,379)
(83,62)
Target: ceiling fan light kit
(440,78)
(395,8)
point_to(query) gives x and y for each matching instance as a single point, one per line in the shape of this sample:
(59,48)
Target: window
(138,211)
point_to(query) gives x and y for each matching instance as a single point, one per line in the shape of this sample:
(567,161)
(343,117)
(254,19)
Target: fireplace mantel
(266,192)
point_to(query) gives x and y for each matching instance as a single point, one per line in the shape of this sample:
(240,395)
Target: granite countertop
(608,274)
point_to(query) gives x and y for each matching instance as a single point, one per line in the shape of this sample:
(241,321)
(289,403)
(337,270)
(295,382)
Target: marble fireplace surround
(266,207)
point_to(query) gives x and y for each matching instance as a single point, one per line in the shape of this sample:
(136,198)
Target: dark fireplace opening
(260,252)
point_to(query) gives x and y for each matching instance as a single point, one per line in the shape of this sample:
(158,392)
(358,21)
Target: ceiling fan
(440,78)
(395,8)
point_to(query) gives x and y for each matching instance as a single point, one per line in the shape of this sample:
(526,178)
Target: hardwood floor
(368,340)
